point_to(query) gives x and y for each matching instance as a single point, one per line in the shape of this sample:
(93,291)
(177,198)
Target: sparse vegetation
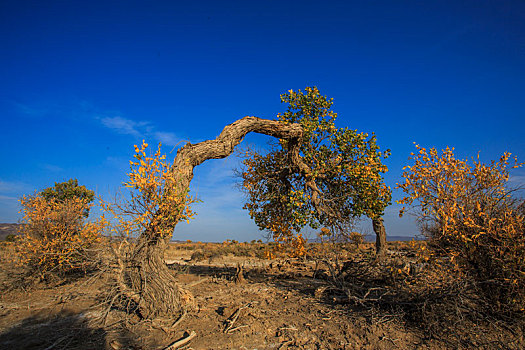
(462,287)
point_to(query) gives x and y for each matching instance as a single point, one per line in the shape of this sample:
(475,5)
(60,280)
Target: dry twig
(233,318)
(192,284)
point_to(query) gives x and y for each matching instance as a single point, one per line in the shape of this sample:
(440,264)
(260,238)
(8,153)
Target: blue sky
(81,82)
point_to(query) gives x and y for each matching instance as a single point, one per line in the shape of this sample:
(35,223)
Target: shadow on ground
(64,330)
(449,315)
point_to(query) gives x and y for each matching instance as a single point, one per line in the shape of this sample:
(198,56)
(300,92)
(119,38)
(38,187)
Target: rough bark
(145,278)
(148,277)
(379,229)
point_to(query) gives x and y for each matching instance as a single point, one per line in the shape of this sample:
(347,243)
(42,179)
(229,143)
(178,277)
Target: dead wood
(228,324)
(379,229)
(239,274)
(181,342)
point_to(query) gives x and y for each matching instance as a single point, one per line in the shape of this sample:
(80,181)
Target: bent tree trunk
(145,278)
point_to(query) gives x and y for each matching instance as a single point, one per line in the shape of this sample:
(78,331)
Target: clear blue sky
(81,82)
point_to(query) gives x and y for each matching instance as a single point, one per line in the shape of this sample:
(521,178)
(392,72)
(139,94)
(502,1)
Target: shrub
(55,237)
(356,238)
(198,255)
(11,238)
(155,197)
(469,215)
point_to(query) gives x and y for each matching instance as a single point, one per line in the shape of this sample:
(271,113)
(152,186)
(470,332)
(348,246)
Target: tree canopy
(69,190)
(337,179)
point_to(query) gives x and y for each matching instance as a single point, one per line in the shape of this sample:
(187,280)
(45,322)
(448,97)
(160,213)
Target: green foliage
(69,190)
(11,238)
(340,179)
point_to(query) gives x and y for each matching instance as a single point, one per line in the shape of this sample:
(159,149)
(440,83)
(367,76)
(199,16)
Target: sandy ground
(278,306)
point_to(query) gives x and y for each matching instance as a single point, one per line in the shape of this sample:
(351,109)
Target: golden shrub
(55,236)
(155,196)
(469,215)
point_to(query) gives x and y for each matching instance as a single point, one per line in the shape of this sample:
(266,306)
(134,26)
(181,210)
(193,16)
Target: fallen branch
(233,318)
(171,328)
(285,344)
(176,323)
(236,328)
(179,343)
(58,341)
(192,284)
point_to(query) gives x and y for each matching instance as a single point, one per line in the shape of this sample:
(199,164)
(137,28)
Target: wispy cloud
(141,129)
(168,138)
(12,186)
(122,125)
(7,198)
(110,119)
(52,168)
(75,109)
(9,206)
(517,180)
(32,111)
(10,192)
(222,204)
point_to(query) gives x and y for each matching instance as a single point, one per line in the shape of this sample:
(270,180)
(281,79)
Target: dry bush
(213,251)
(469,216)
(406,287)
(55,237)
(198,255)
(247,249)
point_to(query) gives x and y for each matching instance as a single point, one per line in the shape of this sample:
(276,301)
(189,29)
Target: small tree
(336,179)
(68,190)
(468,214)
(157,201)
(55,236)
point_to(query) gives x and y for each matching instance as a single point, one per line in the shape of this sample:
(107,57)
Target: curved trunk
(379,229)
(144,277)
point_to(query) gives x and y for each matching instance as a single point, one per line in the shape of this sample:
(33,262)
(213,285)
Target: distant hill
(8,229)
(372,238)
(400,238)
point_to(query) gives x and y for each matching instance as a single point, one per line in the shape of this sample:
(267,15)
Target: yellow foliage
(55,236)
(156,197)
(469,215)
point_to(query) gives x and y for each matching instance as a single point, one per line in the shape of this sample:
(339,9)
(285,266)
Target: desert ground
(244,301)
